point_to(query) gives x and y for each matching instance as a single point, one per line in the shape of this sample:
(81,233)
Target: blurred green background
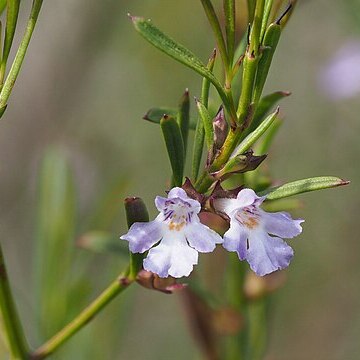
(87,80)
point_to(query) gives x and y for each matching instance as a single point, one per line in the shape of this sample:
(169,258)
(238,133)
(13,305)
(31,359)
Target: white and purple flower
(250,229)
(178,231)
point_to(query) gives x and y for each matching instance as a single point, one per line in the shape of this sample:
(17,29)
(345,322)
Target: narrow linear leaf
(2,6)
(199,131)
(305,185)
(207,123)
(255,135)
(20,54)
(229,11)
(175,50)
(175,147)
(271,39)
(155,114)
(256,27)
(11,20)
(269,136)
(267,11)
(265,105)
(184,117)
(215,25)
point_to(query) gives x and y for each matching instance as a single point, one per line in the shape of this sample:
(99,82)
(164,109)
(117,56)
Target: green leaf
(271,39)
(2,6)
(255,135)
(175,147)
(216,28)
(180,53)
(267,11)
(170,47)
(229,11)
(265,105)
(155,114)
(184,117)
(103,242)
(54,240)
(269,136)
(207,123)
(199,131)
(11,20)
(305,185)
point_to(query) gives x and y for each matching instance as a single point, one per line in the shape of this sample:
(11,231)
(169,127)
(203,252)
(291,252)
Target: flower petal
(180,193)
(143,235)
(248,197)
(201,238)
(172,257)
(267,253)
(160,203)
(235,239)
(281,224)
(226,205)
(177,192)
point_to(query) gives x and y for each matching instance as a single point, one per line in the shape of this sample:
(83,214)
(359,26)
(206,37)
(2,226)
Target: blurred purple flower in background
(249,231)
(180,233)
(340,78)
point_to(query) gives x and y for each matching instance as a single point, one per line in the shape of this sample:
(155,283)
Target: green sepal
(207,123)
(175,147)
(101,242)
(271,39)
(305,185)
(264,106)
(183,117)
(136,211)
(175,50)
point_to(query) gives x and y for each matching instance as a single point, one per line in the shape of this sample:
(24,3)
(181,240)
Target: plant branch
(113,290)
(20,55)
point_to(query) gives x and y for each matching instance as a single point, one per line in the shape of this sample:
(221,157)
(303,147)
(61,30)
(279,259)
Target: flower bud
(220,128)
(152,281)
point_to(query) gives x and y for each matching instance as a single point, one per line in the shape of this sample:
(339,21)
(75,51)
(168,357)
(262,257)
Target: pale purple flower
(250,229)
(178,231)
(340,78)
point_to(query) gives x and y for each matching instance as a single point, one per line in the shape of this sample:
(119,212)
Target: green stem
(10,317)
(113,290)
(19,57)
